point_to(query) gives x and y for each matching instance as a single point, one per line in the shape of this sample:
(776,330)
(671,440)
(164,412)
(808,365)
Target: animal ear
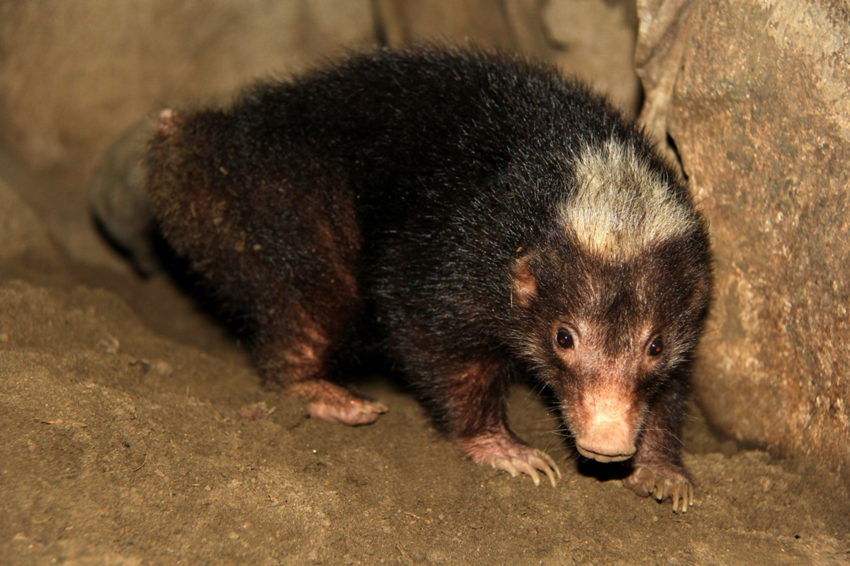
(524,285)
(169,122)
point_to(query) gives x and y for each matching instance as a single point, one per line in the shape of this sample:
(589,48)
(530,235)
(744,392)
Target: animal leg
(334,403)
(277,239)
(297,355)
(475,414)
(657,465)
(503,450)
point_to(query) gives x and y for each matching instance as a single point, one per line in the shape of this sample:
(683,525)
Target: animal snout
(606,441)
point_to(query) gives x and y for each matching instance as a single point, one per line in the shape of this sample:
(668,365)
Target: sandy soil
(129,434)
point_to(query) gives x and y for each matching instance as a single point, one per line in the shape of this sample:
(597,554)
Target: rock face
(753,98)
(74,75)
(596,39)
(21,232)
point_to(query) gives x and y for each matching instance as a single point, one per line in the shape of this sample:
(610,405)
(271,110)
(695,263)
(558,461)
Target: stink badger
(477,216)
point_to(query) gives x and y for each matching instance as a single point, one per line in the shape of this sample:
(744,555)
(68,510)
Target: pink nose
(606,442)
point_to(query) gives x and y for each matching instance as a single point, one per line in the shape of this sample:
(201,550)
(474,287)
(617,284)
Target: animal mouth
(604,458)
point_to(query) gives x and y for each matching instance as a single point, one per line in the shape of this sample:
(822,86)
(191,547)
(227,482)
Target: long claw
(525,467)
(684,498)
(660,492)
(551,463)
(505,465)
(544,463)
(505,452)
(662,484)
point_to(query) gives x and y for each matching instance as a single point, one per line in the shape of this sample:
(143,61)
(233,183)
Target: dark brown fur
(417,197)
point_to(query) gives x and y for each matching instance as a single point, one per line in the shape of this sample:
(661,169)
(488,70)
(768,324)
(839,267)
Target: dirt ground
(130,433)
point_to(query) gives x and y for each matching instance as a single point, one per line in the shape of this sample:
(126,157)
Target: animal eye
(656,346)
(564,338)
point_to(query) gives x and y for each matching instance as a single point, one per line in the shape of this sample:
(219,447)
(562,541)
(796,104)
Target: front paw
(662,484)
(507,454)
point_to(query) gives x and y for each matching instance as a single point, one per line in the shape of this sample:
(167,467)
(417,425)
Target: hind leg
(313,315)
(316,301)
(334,403)
(274,232)
(297,355)
(308,296)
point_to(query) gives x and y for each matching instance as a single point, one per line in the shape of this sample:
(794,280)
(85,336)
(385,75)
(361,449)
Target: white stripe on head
(621,207)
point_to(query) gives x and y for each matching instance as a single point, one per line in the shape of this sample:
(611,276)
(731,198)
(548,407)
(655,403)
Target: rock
(23,238)
(75,75)
(753,97)
(485,22)
(595,40)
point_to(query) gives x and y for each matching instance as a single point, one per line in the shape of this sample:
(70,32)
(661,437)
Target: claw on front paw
(662,485)
(503,453)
